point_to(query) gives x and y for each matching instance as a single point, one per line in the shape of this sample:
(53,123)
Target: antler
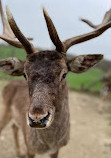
(60,46)
(85,37)
(106,19)
(99,29)
(74,40)
(53,33)
(26,44)
(8,34)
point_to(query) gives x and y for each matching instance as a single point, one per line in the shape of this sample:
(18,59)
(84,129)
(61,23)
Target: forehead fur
(45,58)
(45,65)
(50,55)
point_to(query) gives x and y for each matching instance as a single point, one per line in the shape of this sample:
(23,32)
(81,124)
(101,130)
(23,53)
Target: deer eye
(24,75)
(64,75)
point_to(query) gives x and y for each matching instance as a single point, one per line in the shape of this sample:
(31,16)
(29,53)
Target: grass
(9,51)
(85,79)
(74,80)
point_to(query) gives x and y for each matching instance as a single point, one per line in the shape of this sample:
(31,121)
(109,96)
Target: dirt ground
(90,130)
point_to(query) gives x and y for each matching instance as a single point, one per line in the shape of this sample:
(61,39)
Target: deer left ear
(83,63)
(12,66)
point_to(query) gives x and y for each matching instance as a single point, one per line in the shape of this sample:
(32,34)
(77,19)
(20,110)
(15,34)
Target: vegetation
(9,51)
(74,80)
(83,80)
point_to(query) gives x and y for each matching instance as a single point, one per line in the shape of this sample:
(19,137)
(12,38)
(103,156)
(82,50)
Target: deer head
(45,71)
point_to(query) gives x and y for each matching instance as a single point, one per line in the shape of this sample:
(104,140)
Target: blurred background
(90,92)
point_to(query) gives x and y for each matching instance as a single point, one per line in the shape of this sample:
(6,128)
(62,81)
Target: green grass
(74,80)
(9,51)
(8,77)
(85,79)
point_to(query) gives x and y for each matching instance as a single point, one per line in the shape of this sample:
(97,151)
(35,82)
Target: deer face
(45,73)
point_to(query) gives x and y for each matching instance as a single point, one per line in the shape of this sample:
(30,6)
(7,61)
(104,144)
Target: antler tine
(53,33)
(8,35)
(85,37)
(6,28)
(106,19)
(89,23)
(99,29)
(26,44)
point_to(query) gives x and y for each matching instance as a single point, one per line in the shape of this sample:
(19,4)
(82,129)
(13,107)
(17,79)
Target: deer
(105,92)
(38,104)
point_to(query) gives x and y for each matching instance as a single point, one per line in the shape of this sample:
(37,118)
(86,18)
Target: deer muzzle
(40,121)
(41,108)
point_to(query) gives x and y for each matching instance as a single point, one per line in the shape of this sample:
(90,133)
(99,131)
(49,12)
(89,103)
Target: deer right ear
(82,63)
(12,66)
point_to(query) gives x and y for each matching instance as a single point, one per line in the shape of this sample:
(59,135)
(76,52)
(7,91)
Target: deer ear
(82,63)
(12,66)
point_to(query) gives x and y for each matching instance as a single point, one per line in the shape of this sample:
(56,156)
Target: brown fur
(106,90)
(48,67)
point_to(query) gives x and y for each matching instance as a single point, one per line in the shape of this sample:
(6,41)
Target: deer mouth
(45,122)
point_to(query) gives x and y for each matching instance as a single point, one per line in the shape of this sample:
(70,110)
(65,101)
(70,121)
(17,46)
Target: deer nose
(38,120)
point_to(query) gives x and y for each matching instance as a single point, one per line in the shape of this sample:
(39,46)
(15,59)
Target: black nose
(38,123)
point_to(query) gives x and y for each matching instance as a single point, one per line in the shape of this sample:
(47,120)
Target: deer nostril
(37,117)
(40,121)
(45,119)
